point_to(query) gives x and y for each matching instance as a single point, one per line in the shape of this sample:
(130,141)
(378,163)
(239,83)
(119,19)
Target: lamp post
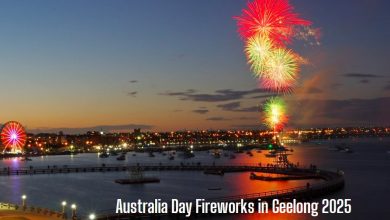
(74,207)
(24,197)
(92,216)
(63,204)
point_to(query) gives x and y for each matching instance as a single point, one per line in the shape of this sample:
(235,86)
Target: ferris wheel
(13,136)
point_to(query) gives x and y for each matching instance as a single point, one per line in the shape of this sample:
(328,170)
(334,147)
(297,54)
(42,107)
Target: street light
(24,197)
(74,207)
(63,206)
(92,216)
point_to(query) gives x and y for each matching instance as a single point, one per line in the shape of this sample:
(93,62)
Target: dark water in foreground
(366,172)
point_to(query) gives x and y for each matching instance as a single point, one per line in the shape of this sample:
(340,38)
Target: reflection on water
(97,191)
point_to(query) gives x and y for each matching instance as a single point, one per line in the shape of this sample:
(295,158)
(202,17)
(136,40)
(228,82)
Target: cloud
(229,106)
(244,118)
(248,126)
(133,81)
(364,81)
(387,88)
(340,112)
(132,94)
(263,96)
(201,111)
(247,118)
(314,90)
(308,89)
(83,130)
(335,85)
(185,93)
(180,56)
(361,75)
(236,107)
(217,96)
(218,119)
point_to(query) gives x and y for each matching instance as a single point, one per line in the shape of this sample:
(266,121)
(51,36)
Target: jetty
(332,181)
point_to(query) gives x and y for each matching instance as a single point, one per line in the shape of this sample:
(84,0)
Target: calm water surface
(366,172)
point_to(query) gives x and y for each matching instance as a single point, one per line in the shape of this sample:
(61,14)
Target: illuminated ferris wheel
(13,137)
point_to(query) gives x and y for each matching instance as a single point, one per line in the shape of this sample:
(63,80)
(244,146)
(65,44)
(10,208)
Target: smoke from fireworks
(274,111)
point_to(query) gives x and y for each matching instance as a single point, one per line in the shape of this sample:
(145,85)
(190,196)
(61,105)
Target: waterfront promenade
(15,212)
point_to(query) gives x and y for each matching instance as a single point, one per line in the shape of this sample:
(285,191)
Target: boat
(216,154)
(151,154)
(340,147)
(253,176)
(113,153)
(171,157)
(348,150)
(138,180)
(26,159)
(239,151)
(187,155)
(216,188)
(103,155)
(343,148)
(271,154)
(121,157)
(214,172)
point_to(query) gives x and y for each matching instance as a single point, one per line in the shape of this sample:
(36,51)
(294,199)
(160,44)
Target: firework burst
(271,18)
(258,50)
(274,111)
(281,70)
(267,26)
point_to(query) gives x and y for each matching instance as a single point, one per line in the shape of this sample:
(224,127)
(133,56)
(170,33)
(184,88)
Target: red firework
(13,136)
(273,18)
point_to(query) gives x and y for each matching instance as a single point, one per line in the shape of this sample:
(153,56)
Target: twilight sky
(173,64)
